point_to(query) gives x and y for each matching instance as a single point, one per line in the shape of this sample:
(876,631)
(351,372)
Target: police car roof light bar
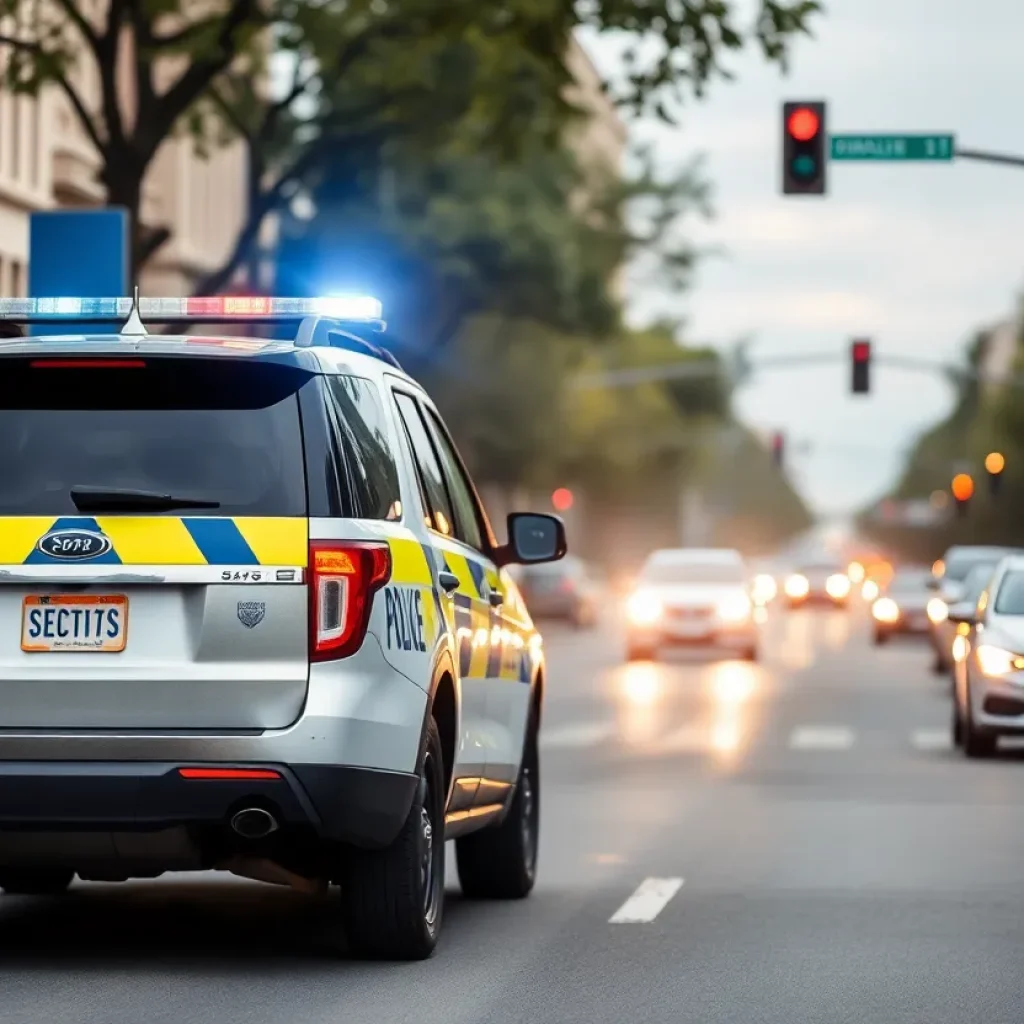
(203,309)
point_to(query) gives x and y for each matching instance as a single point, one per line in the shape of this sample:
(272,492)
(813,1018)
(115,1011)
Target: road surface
(783,843)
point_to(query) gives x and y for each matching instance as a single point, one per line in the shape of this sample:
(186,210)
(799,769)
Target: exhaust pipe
(254,823)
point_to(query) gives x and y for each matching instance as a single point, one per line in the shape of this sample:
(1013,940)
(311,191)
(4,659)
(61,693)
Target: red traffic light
(861,351)
(562,499)
(803,124)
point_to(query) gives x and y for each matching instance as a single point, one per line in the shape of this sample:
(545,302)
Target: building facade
(46,163)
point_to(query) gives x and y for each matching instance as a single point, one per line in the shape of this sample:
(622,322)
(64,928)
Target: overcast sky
(914,256)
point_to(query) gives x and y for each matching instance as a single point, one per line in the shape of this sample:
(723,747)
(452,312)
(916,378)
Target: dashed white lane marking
(649,900)
(932,739)
(821,737)
(582,734)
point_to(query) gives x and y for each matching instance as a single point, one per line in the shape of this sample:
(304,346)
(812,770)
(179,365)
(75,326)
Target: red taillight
(88,364)
(343,577)
(229,773)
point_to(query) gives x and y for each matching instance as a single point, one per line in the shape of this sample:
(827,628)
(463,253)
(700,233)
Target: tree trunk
(124,190)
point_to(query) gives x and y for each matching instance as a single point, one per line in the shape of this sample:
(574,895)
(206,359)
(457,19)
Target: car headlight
(764,588)
(734,609)
(837,586)
(797,586)
(937,610)
(644,608)
(959,647)
(885,609)
(869,591)
(994,661)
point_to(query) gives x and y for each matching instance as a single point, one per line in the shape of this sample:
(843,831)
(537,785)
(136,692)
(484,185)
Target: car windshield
(977,580)
(694,572)
(820,568)
(958,567)
(1010,599)
(910,581)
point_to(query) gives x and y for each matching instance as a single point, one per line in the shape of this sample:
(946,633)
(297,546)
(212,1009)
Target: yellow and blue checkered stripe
(476,624)
(164,540)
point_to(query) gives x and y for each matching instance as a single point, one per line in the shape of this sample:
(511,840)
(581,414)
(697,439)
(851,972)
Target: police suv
(253,618)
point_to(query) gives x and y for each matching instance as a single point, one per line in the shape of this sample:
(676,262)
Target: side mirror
(967,613)
(533,538)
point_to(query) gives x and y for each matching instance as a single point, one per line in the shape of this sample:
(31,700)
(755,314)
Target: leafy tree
(757,507)
(201,67)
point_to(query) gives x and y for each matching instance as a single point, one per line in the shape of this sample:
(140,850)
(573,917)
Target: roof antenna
(134,326)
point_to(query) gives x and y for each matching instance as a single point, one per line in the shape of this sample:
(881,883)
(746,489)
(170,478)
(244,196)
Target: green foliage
(758,508)
(364,69)
(986,417)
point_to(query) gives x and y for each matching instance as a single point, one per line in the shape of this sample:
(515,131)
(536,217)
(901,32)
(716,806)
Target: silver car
(263,625)
(691,596)
(945,621)
(989,663)
(948,586)
(901,607)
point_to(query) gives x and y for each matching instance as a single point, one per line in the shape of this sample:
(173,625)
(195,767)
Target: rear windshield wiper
(128,499)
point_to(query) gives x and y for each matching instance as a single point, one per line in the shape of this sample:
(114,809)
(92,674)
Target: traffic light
(963,490)
(860,366)
(778,449)
(804,145)
(995,463)
(562,499)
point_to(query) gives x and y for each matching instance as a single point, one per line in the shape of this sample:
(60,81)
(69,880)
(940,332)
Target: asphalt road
(782,843)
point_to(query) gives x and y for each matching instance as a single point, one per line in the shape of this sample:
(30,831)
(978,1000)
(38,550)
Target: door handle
(449,581)
(497,598)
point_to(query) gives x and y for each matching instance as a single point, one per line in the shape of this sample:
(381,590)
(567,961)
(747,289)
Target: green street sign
(893,147)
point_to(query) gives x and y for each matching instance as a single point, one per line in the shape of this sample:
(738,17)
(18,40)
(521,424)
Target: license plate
(690,630)
(74,622)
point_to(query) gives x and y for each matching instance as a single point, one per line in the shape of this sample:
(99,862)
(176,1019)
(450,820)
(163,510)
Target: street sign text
(893,147)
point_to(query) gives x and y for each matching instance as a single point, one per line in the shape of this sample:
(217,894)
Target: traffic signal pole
(987,157)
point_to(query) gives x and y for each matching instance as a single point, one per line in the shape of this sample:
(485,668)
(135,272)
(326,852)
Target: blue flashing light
(354,308)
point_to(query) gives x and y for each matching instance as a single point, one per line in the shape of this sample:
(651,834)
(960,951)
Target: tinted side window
(367,451)
(466,511)
(440,515)
(213,429)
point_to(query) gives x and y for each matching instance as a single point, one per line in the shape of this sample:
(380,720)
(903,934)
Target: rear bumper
(362,806)
(816,597)
(715,635)
(903,627)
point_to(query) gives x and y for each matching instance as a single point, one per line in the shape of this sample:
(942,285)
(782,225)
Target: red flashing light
(861,351)
(562,499)
(87,364)
(803,124)
(222,774)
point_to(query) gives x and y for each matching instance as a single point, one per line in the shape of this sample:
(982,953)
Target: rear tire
(393,899)
(35,881)
(751,654)
(500,862)
(881,638)
(976,745)
(939,666)
(957,724)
